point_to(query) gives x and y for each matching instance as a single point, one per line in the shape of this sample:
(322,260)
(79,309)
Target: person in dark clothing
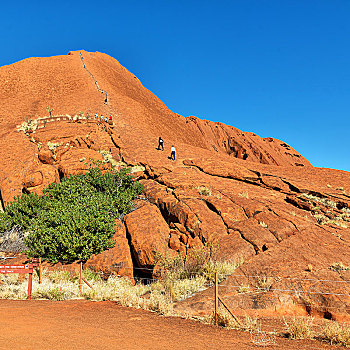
(160,144)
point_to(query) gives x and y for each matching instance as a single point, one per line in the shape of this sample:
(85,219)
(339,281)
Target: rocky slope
(258,199)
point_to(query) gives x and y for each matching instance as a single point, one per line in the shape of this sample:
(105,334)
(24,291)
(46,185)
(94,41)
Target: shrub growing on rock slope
(75,218)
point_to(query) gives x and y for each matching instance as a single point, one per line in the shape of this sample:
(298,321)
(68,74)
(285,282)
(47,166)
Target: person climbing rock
(172,154)
(106,119)
(160,144)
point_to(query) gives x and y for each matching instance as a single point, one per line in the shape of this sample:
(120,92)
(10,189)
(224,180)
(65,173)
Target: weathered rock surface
(147,237)
(115,260)
(263,203)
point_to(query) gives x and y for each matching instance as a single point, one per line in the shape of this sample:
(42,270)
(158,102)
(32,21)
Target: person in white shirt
(172,154)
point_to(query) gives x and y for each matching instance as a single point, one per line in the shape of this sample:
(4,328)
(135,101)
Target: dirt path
(82,324)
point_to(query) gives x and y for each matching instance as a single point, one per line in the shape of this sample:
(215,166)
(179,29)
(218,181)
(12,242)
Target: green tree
(75,218)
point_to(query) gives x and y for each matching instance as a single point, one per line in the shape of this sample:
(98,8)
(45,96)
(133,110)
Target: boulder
(149,234)
(76,160)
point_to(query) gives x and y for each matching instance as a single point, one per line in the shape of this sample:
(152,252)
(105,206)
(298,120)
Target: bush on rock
(75,218)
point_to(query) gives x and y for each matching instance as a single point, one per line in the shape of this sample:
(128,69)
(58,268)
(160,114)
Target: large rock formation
(257,198)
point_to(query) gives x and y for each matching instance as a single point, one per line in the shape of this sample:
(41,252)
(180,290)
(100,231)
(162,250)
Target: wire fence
(239,290)
(266,311)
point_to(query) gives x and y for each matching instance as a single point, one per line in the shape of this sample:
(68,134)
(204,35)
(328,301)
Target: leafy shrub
(75,218)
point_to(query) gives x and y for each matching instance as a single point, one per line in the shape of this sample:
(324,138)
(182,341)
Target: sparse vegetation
(50,110)
(337,334)
(309,268)
(264,284)
(28,126)
(224,319)
(243,289)
(175,284)
(201,261)
(248,324)
(204,190)
(324,217)
(339,266)
(320,218)
(299,327)
(325,201)
(244,195)
(53,145)
(262,223)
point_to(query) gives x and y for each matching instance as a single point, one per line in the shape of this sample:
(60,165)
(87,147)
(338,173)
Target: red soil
(79,325)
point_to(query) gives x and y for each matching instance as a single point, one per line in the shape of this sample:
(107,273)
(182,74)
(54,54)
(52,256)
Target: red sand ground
(81,324)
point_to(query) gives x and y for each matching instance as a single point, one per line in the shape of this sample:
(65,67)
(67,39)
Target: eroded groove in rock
(137,272)
(291,186)
(248,241)
(2,204)
(214,210)
(284,218)
(148,237)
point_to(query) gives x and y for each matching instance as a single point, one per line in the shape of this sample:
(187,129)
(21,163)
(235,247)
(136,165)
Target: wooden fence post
(81,278)
(216,299)
(40,270)
(30,284)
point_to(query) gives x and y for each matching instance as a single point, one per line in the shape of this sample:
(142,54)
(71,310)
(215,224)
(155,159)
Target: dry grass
(180,282)
(309,268)
(325,201)
(202,261)
(263,224)
(338,266)
(337,334)
(225,319)
(243,289)
(248,324)
(299,327)
(204,190)
(55,286)
(245,323)
(264,283)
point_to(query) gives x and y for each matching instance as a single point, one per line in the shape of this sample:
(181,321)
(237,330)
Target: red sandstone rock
(147,237)
(257,198)
(116,260)
(46,156)
(77,160)
(40,177)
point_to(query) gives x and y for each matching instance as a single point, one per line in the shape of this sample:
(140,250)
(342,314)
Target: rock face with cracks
(285,222)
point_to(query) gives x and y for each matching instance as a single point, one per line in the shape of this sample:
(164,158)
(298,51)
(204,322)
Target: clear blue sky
(278,68)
